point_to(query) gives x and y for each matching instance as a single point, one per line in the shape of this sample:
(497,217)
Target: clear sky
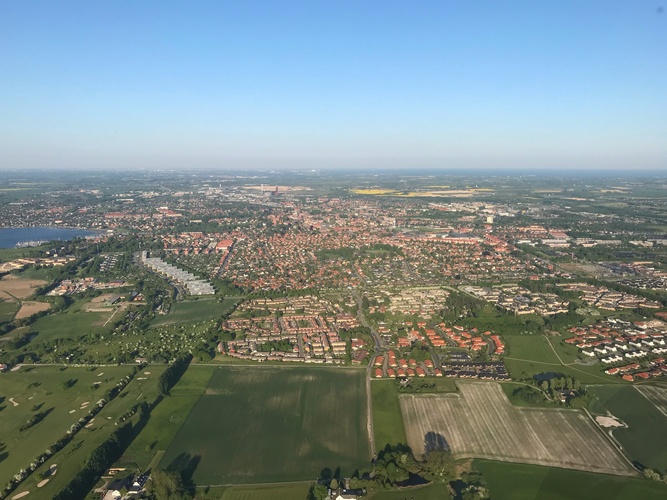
(325,83)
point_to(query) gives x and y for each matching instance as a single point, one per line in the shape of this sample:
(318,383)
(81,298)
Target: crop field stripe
(482,423)
(656,395)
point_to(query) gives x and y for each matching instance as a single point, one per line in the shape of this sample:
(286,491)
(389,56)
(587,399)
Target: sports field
(508,481)
(32,390)
(195,310)
(481,422)
(645,439)
(264,424)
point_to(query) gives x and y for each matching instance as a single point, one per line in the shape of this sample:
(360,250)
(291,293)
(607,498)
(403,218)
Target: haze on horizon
(391,84)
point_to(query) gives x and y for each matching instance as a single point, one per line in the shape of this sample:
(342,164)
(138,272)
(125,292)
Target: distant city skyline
(324,85)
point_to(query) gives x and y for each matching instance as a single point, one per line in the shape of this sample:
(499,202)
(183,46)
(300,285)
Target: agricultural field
(288,491)
(265,424)
(18,287)
(434,491)
(31,307)
(508,481)
(481,422)
(32,390)
(644,439)
(656,395)
(167,418)
(387,421)
(195,310)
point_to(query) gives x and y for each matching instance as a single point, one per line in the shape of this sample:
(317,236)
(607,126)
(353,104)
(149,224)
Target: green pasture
(8,309)
(266,424)
(195,311)
(645,439)
(509,481)
(530,347)
(387,419)
(71,324)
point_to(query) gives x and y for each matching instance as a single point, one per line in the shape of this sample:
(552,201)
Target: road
(378,349)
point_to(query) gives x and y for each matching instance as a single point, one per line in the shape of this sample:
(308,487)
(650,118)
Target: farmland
(644,439)
(167,418)
(18,287)
(480,422)
(273,424)
(30,308)
(508,481)
(656,395)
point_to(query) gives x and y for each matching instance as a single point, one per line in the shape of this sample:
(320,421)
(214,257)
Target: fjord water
(12,236)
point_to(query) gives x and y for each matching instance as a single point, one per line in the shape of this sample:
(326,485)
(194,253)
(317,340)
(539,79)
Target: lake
(11,236)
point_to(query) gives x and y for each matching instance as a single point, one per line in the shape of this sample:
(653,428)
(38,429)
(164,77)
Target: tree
(439,466)
(166,485)
(318,492)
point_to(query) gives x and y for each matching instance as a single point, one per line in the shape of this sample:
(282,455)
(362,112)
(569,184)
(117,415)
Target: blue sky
(327,84)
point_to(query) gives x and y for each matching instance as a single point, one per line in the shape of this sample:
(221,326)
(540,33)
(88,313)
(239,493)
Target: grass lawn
(71,324)
(520,370)
(387,420)
(531,348)
(167,418)
(41,385)
(436,491)
(266,424)
(508,481)
(645,439)
(195,311)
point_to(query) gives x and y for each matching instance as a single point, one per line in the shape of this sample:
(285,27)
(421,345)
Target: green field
(265,424)
(195,311)
(530,347)
(435,491)
(71,324)
(387,420)
(42,386)
(167,418)
(645,439)
(259,492)
(508,481)
(8,309)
